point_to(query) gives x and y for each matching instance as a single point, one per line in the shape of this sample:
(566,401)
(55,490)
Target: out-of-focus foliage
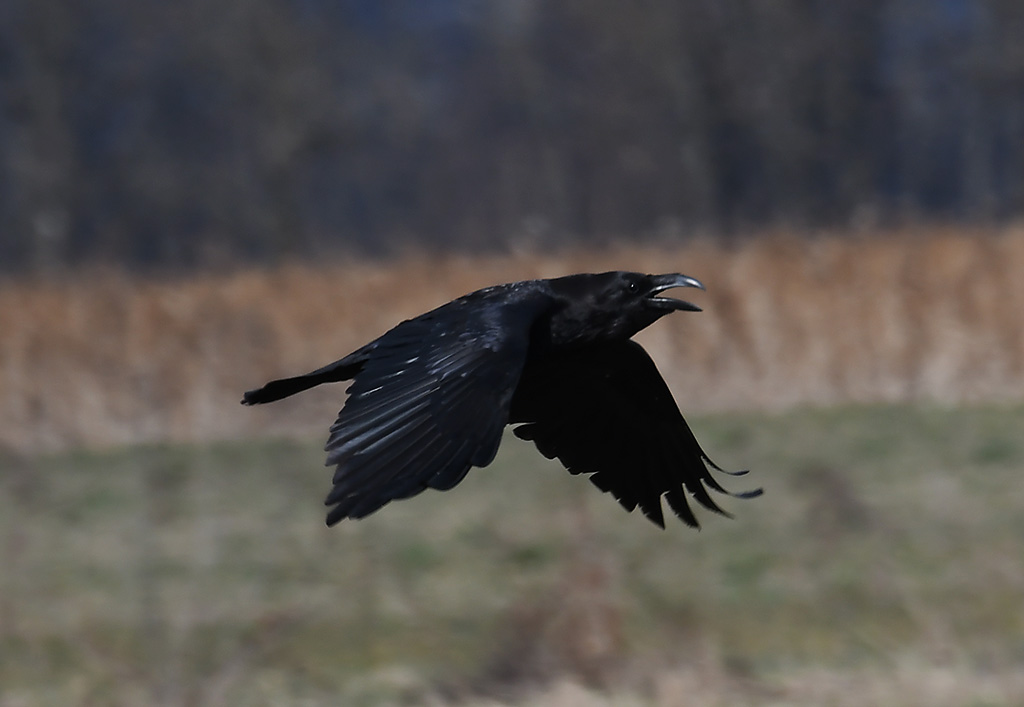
(790,322)
(175,134)
(881,567)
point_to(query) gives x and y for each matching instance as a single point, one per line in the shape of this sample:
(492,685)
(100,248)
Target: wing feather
(607,412)
(429,403)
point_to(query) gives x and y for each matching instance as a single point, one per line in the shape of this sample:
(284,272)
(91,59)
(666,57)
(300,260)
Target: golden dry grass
(105,358)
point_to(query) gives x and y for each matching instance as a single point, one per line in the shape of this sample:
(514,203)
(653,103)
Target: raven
(429,399)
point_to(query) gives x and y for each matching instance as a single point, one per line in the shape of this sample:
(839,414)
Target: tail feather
(341,370)
(278,389)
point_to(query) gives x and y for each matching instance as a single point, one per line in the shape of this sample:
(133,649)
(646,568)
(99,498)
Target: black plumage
(430,398)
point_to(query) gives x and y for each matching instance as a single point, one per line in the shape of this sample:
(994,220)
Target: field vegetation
(882,566)
(162,545)
(105,358)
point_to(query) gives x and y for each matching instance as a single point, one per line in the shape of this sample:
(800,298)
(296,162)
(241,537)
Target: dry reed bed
(107,359)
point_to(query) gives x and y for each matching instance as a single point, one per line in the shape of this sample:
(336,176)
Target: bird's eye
(634,287)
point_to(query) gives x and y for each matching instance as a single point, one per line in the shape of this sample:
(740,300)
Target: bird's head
(643,301)
(618,304)
(656,284)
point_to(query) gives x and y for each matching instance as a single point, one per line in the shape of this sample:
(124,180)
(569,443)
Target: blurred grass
(927,315)
(884,565)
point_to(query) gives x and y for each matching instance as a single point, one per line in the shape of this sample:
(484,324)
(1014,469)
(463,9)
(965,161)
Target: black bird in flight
(429,399)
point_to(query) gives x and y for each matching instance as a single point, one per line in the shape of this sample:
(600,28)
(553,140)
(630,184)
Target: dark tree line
(177,134)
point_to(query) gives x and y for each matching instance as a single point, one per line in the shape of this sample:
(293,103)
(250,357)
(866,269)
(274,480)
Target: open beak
(668,282)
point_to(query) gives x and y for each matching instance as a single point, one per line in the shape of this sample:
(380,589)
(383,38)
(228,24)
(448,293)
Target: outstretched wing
(430,401)
(607,412)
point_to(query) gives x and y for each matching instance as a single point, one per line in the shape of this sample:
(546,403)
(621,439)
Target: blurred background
(196,197)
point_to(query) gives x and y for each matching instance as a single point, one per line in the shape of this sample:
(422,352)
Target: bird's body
(431,397)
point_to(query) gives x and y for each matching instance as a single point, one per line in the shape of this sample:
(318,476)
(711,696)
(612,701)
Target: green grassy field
(884,565)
